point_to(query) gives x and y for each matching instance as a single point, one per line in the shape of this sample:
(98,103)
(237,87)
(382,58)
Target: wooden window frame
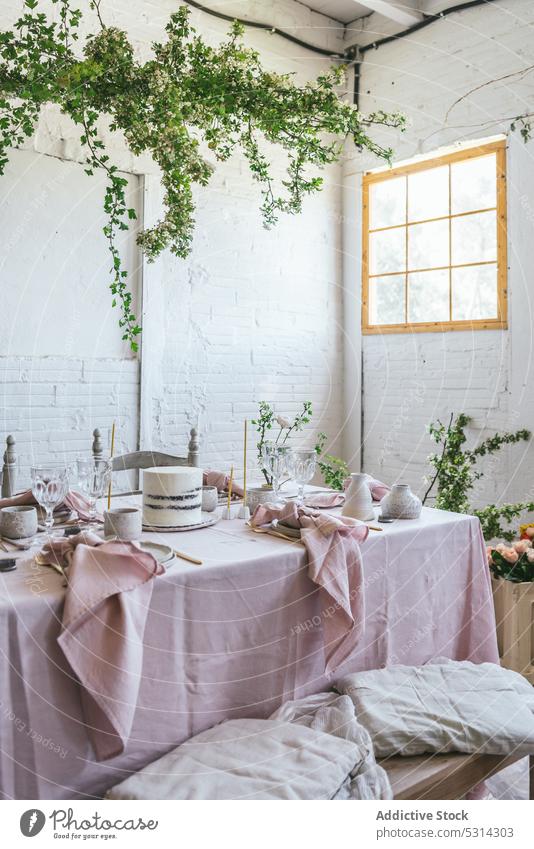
(370,178)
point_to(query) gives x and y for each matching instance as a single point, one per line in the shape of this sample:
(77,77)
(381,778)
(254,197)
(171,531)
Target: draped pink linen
(335,565)
(103,626)
(73,501)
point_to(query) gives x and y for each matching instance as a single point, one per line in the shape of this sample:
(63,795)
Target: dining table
(233,636)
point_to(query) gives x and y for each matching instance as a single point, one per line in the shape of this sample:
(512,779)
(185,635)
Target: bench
(443,777)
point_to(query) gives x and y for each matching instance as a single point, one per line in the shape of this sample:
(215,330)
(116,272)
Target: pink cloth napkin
(335,565)
(335,499)
(221,481)
(73,501)
(378,489)
(104,618)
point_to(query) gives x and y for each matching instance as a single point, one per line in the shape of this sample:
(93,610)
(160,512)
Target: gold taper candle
(111,454)
(245,467)
(230,482)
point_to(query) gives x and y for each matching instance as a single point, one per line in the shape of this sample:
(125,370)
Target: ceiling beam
(402,14)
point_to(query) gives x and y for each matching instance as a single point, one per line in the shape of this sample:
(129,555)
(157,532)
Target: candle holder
(227,513)
(244,512)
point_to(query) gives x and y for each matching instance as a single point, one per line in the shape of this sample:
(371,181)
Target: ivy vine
(186,98)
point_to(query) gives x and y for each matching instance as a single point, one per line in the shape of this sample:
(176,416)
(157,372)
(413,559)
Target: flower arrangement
(513,562)
(267,420)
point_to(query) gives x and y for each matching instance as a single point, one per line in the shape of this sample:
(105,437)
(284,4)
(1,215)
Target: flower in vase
(522,545)
(510,555)
(530,555)
(282,421)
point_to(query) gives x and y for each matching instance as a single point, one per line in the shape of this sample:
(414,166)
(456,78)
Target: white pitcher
(358,500)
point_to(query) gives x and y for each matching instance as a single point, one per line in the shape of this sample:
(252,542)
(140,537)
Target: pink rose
(529,532)
(522,546)
(510,555)
(501,548)
(530,555)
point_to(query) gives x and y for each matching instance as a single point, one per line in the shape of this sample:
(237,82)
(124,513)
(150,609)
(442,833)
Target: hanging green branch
(187,95)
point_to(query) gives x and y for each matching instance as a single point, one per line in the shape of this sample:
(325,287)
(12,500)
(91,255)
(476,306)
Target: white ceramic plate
(208,519)
(162,553)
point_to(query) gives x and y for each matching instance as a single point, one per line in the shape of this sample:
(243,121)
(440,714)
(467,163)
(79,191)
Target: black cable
(331,54)
(426,21)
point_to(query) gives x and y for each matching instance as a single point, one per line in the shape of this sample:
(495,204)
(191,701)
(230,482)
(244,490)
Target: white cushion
(247,759)
(455,706)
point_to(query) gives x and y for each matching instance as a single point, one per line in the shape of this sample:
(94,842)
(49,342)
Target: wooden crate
(514,612)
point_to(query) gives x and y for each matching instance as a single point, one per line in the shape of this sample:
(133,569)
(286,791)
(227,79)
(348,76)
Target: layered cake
(172,496)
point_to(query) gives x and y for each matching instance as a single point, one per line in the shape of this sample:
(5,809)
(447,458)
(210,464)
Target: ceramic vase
(401,503)
(358,500)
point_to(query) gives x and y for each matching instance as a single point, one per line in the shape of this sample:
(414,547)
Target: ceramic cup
(123,522)
(18,522)
(210,498)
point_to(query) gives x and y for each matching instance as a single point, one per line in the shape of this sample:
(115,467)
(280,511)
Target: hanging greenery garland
(186,95)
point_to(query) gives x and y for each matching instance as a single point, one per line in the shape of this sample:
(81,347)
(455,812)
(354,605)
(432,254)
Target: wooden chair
(9,469)
(443,777)
(149,459)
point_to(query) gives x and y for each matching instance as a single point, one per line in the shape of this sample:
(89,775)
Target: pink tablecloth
(231,638)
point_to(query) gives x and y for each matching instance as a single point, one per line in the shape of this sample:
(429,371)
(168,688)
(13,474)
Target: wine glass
(275,460)
(301,467)
(93,479)
(50,485)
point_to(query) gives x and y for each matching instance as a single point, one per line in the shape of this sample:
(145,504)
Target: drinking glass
(50,485)
(93,479)
(275,461)
(301,467)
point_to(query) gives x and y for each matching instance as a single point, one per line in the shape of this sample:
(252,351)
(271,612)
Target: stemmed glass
(301,468)
(93,479)
(50,485)
(275,460)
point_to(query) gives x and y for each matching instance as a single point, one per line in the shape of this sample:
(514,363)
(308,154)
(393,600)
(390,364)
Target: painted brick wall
(409,381)
(251,315)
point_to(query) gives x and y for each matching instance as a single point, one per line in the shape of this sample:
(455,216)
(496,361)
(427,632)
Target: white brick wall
(51,406)
(409,381)
(251,315)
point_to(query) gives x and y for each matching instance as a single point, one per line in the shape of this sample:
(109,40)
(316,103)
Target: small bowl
(18,522)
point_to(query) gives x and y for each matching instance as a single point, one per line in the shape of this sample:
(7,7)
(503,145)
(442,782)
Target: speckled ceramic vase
(401,503)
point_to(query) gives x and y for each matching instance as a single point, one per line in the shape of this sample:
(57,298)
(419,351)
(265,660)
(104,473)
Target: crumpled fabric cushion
(309,749)
(456,706)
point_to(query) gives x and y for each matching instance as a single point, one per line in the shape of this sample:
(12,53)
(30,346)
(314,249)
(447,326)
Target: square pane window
(474,184)
(386,300)
(474,293)
(387,203)
(428,245)
(387,251)
(474,238)
(428,194)
(428,296)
